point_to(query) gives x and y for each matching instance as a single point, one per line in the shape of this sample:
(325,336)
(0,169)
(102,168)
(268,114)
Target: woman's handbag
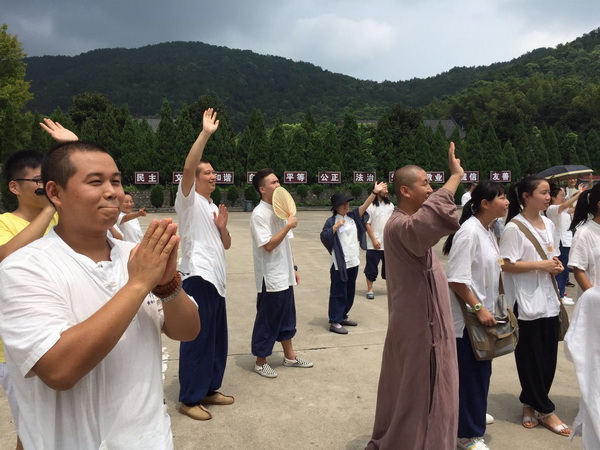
(563,316)
(491,342)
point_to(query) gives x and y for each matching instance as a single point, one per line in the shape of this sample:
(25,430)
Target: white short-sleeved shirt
(349,242)
(465,198)
(131,230)
(533,290)
(48,288)
(276,267)
(585,251)
(473,261)
(378,217)
(562,222)
(202,251)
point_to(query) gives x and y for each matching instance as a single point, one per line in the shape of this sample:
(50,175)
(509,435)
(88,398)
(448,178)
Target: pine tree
(253,142)
(593,145)
(350,145)
(584,157)
(492,157)
(512,161)
(569,149)
(166,136)
(551,143)
(383,147)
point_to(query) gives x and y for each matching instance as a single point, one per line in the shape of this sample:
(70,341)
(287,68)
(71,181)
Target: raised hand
(209,121)
(142,212)
(221,218)
(57,131)
(379,187)
(454,162)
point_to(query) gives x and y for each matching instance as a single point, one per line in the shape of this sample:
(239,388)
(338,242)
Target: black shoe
(570,284)
(348,323)
(338,330)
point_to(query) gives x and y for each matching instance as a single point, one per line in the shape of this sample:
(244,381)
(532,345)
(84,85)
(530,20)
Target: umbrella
(562,173)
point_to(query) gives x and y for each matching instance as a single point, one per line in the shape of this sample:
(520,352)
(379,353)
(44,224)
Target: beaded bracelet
(167,292)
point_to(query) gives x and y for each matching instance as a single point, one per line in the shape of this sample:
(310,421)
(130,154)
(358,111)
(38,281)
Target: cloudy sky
(377,39)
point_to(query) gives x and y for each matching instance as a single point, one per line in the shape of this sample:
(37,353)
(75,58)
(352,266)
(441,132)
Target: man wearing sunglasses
(33,218)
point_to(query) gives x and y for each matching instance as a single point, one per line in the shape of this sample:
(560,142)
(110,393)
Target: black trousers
(536,355)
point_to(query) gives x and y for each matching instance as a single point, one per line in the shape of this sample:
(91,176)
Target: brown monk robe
(417,398)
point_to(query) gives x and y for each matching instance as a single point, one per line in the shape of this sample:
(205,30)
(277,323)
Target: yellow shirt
(10,226)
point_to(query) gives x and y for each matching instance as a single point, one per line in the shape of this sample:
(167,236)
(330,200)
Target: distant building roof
(449,126)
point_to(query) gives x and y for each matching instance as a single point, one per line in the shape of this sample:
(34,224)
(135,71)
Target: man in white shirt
(275,276)
(80,327)
(204,239)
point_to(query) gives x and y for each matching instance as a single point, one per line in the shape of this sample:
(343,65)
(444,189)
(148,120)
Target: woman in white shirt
(559,212)
(528,283)
(473,272)
(585,251)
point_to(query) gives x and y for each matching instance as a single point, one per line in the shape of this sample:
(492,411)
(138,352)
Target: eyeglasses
(37,181)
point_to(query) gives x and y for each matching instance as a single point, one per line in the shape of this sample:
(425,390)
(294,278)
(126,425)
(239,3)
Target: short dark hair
(127,193)
(57,165)
(259,176)
(197,172)
(16,163)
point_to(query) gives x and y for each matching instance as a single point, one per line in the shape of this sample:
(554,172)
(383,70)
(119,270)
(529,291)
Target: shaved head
(405,176)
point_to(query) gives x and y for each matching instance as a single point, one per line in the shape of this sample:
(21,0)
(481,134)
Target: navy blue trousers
(473,386)
(372,261)
(275,320)
(202,361)
(341,294)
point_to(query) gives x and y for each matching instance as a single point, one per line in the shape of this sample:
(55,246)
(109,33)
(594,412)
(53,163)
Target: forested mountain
(183,71)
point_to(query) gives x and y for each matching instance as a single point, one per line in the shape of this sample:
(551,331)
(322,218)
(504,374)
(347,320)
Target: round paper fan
(283,203)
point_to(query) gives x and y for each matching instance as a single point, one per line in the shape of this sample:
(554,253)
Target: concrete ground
(333,404)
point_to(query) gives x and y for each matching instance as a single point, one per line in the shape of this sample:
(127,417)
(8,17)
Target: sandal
(560,429)
(529,421)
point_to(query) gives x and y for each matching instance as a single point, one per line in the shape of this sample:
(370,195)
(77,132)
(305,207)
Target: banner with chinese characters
(295,177)
(364,177)
(330,177)
(470,177)
(225,177)
(436,177)
(249,177)
(146,177)
(391,177)
(502,176)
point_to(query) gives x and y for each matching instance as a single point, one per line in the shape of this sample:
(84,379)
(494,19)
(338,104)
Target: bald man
(417,399)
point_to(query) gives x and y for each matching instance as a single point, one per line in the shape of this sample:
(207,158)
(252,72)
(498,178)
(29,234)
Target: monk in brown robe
(417,398)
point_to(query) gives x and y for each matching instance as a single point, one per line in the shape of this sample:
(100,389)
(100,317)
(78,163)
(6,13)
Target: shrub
(251,194)
(216,195)
(317,189)
(302,191)
(356,190)
(232,194)
(157,196)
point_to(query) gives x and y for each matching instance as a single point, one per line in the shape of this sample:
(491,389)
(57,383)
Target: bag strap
(529,235)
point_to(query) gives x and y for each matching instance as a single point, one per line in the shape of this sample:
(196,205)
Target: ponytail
(587,204)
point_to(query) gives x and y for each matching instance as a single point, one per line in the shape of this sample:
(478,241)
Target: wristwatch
(476,308)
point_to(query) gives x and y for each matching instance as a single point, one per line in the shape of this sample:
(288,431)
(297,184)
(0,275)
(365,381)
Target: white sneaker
(489,419)
(265,371)
(476,443)
(298,362)
(568,301)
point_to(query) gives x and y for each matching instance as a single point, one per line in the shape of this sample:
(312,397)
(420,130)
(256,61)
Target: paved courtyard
(333,404)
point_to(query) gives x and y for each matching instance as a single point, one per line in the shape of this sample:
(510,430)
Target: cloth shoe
(370,296)
(337,328)
(197,412)
(348,323)
(489,419)
(217,399)
(476,443)
(265,371)
(568,301)
(298,362)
